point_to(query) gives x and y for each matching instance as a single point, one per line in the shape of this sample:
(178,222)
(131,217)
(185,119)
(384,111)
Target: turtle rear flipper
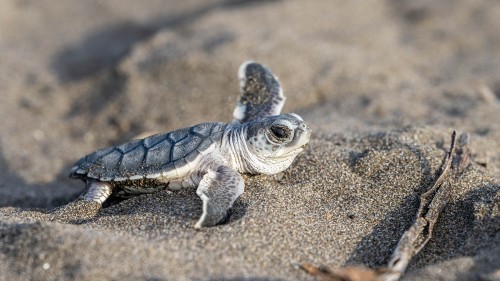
(77,212)
(218,190)
(261,93)
(88,205)
(97,191)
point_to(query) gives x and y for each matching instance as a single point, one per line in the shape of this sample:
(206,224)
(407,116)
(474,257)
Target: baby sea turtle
(210,156)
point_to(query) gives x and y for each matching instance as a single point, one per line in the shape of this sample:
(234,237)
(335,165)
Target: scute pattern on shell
(154,155)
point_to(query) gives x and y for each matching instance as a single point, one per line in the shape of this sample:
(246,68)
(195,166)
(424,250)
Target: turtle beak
(302,135)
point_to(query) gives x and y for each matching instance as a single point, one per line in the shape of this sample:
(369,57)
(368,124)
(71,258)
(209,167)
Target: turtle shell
(169,155)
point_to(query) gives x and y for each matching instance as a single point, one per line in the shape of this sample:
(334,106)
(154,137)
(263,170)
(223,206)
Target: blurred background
(79,75)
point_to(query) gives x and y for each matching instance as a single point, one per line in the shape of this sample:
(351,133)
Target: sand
(382,84)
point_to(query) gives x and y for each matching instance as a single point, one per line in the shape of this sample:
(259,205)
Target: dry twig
(348,273)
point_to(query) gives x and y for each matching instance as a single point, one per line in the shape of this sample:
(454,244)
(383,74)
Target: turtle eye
(280,132)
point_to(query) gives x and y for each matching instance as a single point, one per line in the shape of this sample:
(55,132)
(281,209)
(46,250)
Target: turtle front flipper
(261,93)
(218,190)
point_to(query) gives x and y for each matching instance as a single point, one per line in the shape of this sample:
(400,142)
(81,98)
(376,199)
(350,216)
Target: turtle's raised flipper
(218,190)
(261,93)
(97,191)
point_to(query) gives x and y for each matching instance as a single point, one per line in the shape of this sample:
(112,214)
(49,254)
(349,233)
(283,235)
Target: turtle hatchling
(209,156)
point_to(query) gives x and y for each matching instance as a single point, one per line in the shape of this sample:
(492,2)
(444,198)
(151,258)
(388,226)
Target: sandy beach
(382,84)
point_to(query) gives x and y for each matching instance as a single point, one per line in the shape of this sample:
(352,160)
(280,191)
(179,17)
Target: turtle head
(276,140)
